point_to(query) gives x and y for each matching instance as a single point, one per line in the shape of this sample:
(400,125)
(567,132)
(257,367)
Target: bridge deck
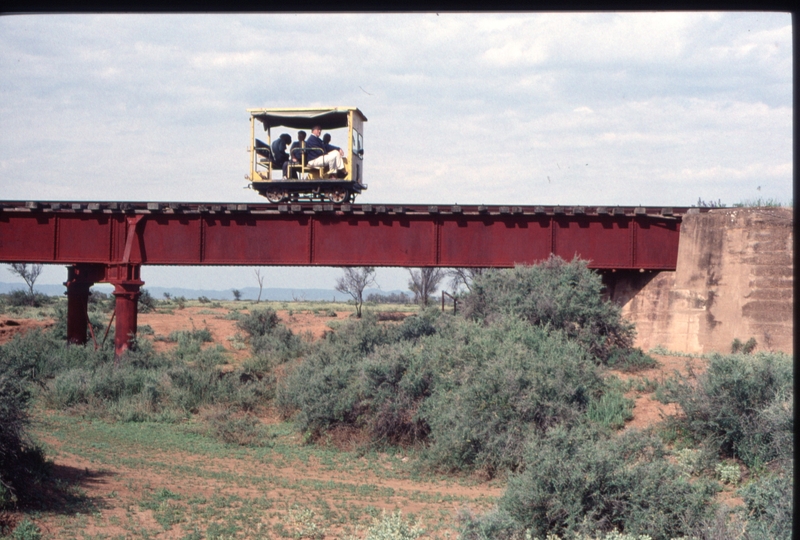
(336,235)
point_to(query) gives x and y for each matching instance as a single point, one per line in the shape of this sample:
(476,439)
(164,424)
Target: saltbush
(769,505)
(471,392)
(21,461)
(741,406)
(580,481)
(562,295)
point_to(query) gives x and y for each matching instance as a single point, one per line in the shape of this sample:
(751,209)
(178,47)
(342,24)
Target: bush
(259,322)
(242,430)
(742,406)
(769,505)
(471,392)
(581,481)
(20,298)
(562,295)
(393,527)
(202,336)
(146,302)
(21,461)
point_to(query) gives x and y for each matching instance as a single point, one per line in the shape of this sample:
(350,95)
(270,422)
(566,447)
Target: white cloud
(470,108)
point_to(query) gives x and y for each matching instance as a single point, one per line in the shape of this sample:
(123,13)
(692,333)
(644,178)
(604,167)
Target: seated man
(296,152)
(323,155)
(279,155)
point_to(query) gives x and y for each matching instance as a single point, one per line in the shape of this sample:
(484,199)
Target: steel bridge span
(110,241)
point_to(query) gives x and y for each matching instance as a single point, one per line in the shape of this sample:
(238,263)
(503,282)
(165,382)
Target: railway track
(110,207)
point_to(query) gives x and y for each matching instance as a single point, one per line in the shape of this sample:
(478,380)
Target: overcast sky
(595,109)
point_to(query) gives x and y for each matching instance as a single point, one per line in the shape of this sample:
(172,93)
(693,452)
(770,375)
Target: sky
(654,109)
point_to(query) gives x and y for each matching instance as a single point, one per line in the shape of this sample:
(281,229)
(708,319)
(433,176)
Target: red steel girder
(119,234)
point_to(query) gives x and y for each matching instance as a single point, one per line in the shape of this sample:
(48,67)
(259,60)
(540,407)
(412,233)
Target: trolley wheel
(275,196)
(339,196)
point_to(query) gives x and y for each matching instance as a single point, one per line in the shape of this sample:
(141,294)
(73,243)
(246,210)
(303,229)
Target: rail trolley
(298,181)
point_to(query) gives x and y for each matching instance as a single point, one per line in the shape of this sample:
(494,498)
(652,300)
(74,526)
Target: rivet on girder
(433,209)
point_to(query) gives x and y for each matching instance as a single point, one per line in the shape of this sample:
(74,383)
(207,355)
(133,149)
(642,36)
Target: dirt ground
(116,485)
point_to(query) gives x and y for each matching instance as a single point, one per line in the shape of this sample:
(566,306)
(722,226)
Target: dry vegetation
(296,420)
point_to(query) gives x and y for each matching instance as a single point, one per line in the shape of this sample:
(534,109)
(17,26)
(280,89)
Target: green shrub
(393,527)
(492,386)
(242,430)
(21,461)
(741,406)
(146,302)
(559,294)
(26,530)
(769,505)
(259,322)
(581,481)
(203,335)
(471,392)
(612,409)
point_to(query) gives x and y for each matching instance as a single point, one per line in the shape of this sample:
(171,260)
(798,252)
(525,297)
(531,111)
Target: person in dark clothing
(295,153)
(279,155)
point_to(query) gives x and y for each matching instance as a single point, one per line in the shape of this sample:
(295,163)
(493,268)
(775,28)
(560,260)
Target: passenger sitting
(279,155)
(295,155)
(322,155)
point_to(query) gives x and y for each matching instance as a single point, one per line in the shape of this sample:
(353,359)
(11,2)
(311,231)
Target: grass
(190,483)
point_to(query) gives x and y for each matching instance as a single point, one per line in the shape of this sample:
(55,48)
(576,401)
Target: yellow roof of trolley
(306,118)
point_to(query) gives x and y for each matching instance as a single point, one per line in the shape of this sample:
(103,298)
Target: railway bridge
(109,242)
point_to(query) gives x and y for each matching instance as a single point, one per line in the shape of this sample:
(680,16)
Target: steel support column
(80,278)
(127,298)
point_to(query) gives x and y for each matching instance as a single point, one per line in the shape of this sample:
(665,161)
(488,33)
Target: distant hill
(248,293)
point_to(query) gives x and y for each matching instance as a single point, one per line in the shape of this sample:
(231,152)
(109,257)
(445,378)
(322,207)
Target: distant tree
(260,280)
(29,275)
(463,276)
(424,283)
(354,281)
(237,294)
(167,295)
